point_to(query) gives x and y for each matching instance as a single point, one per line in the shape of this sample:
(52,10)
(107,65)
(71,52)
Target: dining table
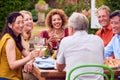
(53,74)
(48,74)
(116,73)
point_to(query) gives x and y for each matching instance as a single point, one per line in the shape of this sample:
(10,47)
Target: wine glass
(56,46)
(38,43)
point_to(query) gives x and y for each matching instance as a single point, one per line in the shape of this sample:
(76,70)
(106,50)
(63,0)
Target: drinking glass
(38,43)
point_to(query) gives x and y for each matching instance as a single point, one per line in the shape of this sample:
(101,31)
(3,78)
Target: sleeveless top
(5,71)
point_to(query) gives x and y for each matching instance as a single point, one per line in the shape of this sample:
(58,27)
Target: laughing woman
(56,20)
(27,30)
(11,49)
(26,35)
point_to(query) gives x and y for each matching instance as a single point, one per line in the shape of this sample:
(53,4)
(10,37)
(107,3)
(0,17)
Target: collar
(107,28)
(80,33)
(118,36)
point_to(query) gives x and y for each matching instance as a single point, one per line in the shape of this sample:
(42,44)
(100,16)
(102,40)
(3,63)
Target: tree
(113,4)
(7,6)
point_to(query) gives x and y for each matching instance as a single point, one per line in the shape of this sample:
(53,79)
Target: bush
(35,15)
(7,6)
(113,4)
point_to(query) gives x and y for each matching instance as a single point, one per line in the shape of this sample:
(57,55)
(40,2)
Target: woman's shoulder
(5,37)
(43,33)
(66,30)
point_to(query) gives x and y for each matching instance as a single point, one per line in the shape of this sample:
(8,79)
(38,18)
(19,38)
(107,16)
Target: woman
(26,35)
(27,30)
(56,20)
(11,49)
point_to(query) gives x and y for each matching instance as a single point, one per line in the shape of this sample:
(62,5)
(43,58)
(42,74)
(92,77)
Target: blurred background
(42,7)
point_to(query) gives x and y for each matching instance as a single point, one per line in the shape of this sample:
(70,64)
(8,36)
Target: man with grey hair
(105,32)
(80,48)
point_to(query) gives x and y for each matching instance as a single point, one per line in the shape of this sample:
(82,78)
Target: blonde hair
(28,35)
(60,12)
(25,12)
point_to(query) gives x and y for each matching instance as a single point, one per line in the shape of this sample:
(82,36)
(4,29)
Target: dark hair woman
(11,49)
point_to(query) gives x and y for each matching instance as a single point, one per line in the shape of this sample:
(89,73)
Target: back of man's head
(78,21)
(115,13)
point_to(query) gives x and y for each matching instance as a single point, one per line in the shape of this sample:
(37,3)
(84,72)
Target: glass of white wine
(38,43)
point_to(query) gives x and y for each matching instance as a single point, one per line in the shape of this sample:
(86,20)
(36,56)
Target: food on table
(113,63)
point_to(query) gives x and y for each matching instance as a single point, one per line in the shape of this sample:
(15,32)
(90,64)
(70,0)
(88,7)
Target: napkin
(45,63)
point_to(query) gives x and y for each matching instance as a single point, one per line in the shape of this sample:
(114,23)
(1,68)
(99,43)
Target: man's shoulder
(67,38)
(96,40)
(98,32)
(94,37)
(115,37)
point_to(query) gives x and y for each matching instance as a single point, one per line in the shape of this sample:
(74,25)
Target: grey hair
(78,21)
(104,7)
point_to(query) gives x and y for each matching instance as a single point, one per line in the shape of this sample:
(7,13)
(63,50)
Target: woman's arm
(11,55)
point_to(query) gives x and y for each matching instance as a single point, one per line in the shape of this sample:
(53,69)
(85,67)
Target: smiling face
(103,17)
(17,26)
(56,21)
(115,23)
(28,22)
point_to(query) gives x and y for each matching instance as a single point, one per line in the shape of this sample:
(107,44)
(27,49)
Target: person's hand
(34,53)
(28,66)
(53,38)
(42,52)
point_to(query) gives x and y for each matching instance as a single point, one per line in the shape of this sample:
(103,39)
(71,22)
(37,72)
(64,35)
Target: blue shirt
(113,47)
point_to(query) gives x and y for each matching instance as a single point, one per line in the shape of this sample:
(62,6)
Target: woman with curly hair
(56,20)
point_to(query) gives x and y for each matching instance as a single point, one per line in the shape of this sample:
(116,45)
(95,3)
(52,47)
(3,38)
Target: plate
(45,63)
(112,63)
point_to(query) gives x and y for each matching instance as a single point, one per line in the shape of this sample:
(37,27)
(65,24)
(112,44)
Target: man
(114,45)
(105,32)
(80,48)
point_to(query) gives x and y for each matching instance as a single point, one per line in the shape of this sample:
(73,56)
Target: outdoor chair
(91,72)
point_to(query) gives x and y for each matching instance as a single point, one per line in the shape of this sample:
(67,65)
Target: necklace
(57,33)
